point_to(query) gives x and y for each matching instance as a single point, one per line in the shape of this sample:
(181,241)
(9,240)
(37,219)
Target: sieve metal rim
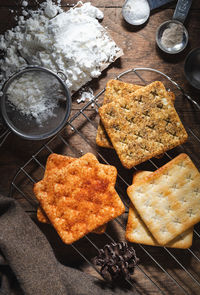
(6,119)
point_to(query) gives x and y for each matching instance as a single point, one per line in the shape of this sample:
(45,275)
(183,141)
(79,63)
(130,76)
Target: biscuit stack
(139,122)
(77,196)
(165,205)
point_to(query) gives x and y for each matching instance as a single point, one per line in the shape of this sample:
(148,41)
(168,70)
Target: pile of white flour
(73,42)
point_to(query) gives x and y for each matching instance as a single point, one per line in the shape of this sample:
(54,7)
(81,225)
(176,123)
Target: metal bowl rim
(6,118)
(159,43)
(190,54)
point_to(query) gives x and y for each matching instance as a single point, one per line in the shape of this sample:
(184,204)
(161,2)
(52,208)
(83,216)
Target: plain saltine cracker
(168,200)
(137,231)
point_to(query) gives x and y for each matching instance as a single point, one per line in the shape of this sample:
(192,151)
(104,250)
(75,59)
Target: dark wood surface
(140,50)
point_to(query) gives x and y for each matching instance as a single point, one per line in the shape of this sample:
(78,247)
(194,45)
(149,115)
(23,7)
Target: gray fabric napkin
(28,265)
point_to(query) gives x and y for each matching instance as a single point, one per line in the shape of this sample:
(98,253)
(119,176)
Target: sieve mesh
(36,103)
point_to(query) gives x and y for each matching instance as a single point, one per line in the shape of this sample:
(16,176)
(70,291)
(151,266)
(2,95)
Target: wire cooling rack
(161,270)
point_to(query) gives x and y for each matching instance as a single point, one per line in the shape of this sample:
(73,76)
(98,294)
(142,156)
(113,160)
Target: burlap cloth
(28,265)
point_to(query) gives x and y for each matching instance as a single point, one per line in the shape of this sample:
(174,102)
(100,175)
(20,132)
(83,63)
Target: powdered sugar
(51,10)
(73,42)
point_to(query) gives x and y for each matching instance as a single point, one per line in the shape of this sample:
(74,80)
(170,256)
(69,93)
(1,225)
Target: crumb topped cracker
(115,90)
(142,125)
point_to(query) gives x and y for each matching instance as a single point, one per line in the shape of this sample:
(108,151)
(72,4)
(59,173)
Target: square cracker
(168,200)
(41,216)
(142,125)
(56,162)
(137,231)
(80,197)
(116,89)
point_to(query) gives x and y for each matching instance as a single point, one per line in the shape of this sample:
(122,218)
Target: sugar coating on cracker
(142,125)
(80,197)
(168,200)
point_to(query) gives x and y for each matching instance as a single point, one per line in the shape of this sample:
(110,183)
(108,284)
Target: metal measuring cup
(180,14)
(150,5)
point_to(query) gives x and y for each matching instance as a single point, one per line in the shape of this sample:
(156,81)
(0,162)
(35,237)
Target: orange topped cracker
(80,197)
(41,216)
(142,125)
(56,162)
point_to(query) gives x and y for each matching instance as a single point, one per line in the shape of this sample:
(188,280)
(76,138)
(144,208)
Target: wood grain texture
(102,3)
(140,50)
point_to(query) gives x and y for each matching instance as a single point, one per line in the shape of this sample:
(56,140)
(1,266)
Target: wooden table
(140,50)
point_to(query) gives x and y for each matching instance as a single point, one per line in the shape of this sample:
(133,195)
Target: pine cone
(117,261)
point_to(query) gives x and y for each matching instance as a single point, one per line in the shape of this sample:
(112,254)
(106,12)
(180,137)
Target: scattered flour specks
(86,94)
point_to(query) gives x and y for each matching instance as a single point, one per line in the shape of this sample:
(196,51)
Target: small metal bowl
(177,48)
(192,68)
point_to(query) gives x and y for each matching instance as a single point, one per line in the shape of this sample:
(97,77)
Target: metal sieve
(53,112)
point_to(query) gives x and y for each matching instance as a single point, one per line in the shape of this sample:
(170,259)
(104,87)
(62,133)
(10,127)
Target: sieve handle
(158,3)
(181,10)
(62,75)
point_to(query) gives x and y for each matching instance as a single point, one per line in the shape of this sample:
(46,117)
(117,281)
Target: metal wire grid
(17,186)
